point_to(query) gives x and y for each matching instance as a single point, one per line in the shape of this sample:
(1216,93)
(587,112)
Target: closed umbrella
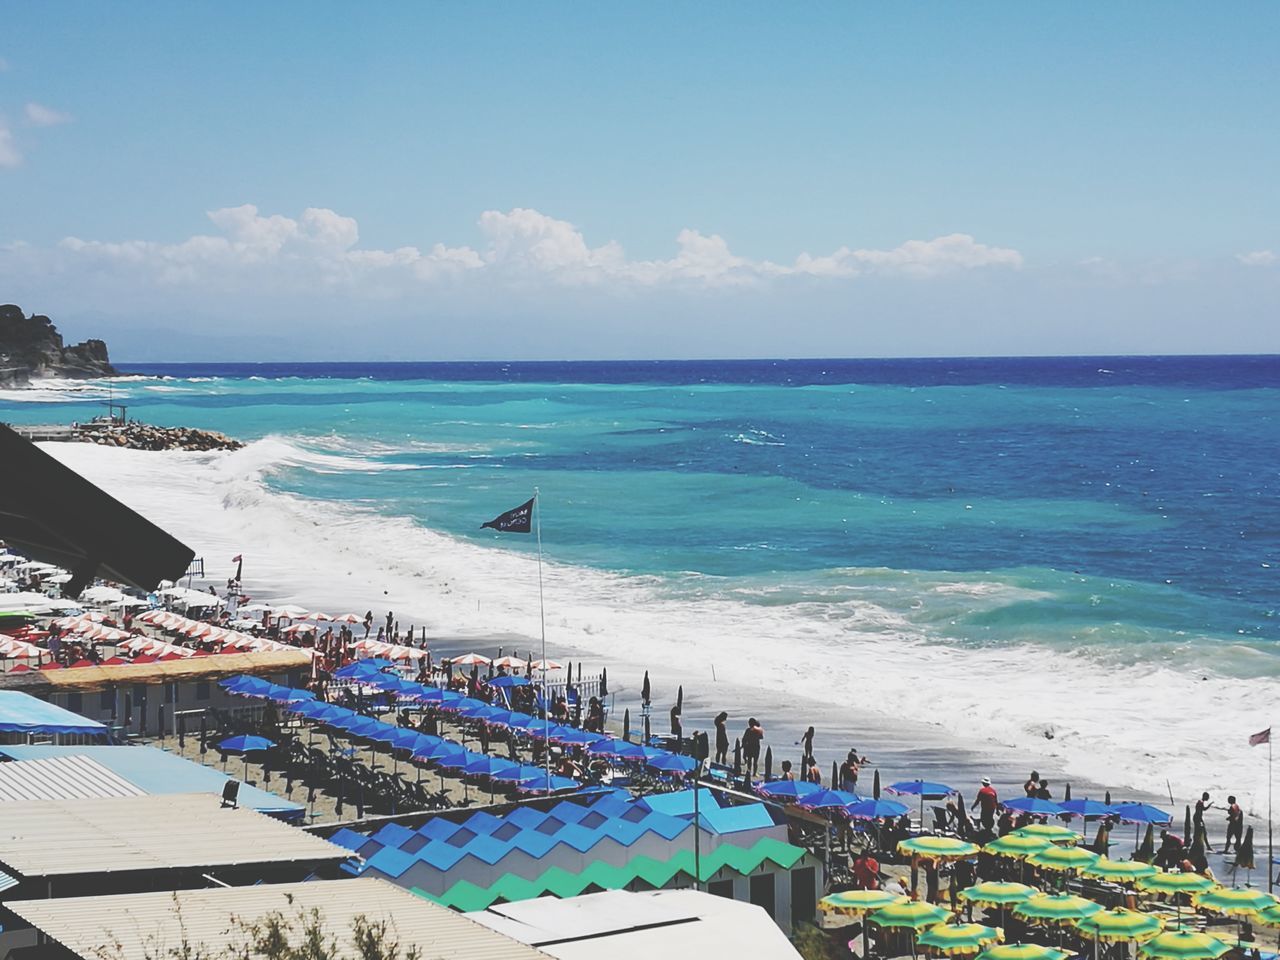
(768,763)
(1187,830)
(626,724)
(875,786)
(645,689)
(1146,851)
(1244,857)
(737,756)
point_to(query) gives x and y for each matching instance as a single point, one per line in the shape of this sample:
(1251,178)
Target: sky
(483,181)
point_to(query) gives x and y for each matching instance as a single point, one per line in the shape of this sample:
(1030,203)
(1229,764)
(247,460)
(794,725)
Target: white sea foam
(1124,725)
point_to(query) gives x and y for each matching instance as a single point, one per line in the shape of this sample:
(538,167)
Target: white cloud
(1259,258)
(10,156)
(39,115)
(321,249)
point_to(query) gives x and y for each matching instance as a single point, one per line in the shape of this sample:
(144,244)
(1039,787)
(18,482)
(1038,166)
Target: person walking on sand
(751,739)
(1235,824)
(722,737)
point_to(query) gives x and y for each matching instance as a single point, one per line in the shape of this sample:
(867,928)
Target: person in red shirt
(988,800)
(866,871)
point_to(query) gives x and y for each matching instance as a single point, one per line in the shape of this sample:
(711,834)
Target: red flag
(1263,737)
(236,559)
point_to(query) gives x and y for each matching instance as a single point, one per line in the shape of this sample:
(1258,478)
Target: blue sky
(660,180)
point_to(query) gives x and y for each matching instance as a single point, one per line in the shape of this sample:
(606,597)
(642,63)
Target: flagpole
(1271,842)
(542,618)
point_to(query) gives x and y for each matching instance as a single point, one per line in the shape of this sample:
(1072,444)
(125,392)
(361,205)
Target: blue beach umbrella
(827,799)
(517,720)
(509,681)
(618,748)
(458,761)
(363,727)
(540,784)
(1043,808)
(1085,807)
(483,765)
(438,696)
(282,694)
(922,788)
(572,735)
(673,763)
(245,744)
(789,789)
(519,772)
(331,714)
(360,670)
(877,809)
(440,751)
(1141,813)
(467,707)
(251,686)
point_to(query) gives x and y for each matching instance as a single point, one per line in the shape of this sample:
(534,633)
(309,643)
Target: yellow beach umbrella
(912,915)
(1118,870)
(855,903)
(997,893)
(1174,883)
(1023,951)
(1119,925)
(1056,908)
(1234,903)
(1063,859)
(1015,847)
(1268,916)
(1048,831)
(938,848)
(959,939)
(1174,945)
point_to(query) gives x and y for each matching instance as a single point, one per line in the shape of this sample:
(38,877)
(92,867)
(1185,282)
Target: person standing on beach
(849,772)
(987,799)
(1032,786)
(786,771)
(1197,818)
(751,739)
(1235,824)
(807,742)
(722,737)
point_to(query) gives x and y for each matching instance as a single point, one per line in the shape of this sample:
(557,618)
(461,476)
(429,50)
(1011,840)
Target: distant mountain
(31,349)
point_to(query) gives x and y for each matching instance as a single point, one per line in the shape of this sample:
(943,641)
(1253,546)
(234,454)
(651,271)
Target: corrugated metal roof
(62,778)
(147,924)
(45,838)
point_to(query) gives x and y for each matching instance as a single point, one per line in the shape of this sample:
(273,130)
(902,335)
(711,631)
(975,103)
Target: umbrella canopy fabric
(1016,848)
(245,744)
(877,809)
(996,893)
(675,763)
(788,789)
(1119,925)
(1084,807)
(829,799)
(921,788)
(1178,945)
(441,751)
(1270,916)
(1063,859)
(912,915)
(469,660)
(1023,951)
(1234,902)
(1048,831)
(1118,870)
(1056,908)
(1174,883)
(510,681)
(959,939)
(857,902)
(1044,808)
(938,848)
(1141,813)
(486,766)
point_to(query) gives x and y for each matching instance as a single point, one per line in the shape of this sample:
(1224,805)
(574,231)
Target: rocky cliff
(32,348)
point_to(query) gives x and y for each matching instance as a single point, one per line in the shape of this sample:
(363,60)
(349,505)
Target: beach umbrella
(1174,883)
(875,786)
(645,689)
(959,939)
(998,893)
(855,903)
(675,763)
(1063,859)
(510,663)
(471,660)
(244,745)
(508,681)
(1146,850)
(484,765)
(1056,908)
(1084,807)
(1048,831)
(737,756)
(680,699)
(1269,916)
(441,751)
(788,789)
(604,682)
(835,774)
(1187,830)
(1119,925)
(912,915)
(1102,839)
(1066,794)
(1016,848)
(1141,813)
(1118,871)
(1034,805)
(1022,951)
(963,813)
(924,789)
(1178,945)
(648,733)
(1234,902)
(626,724)
(829,799)
(768,763)
(877,809)
(938,848)
(1244,852)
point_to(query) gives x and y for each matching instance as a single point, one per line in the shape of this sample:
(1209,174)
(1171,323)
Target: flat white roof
(70,777)
(152,924)
(45,838)
(641,926)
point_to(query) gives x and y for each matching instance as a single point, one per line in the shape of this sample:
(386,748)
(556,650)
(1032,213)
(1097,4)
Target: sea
(1073,558)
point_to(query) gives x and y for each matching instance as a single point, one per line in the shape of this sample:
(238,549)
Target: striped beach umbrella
(996,893)
(1268,916)
(1063,859)
(1234,903)
(1119,925)
(1023,951)
(1016,848)
(1177,945)
(1118,870)
(855,903)
(938,848)
(912,915)
(1174,883)
(959,939)
(1048,831)
(1056,908)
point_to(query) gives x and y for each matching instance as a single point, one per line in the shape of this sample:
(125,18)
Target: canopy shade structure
(22,713)
(49,512)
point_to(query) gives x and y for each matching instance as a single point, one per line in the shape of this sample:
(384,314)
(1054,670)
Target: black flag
(517,520)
